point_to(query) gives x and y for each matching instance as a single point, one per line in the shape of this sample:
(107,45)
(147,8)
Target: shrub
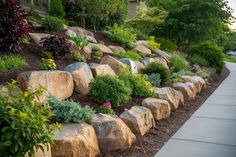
(176,77)
(106,108)
(48,64)
(109,88)
(197,59)
(13,25)
(178,63)
(204,72)
(70,111)
(57,9)
(157,68)
(131,55)
(80,41)
(52,23)
(138,83)
(12,62)
(153,45)
(155,79)
(56,45)
(98,54)
(124,36)
(140,34)
(211,52)
(46,54)
(78,57)
(167,45)
(24,123)
(36,17)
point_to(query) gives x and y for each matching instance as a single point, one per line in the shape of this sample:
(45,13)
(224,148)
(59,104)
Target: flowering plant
(106,108)
(48,64)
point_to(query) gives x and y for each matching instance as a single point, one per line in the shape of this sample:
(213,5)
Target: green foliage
(229,43)
(46,54)
(155,79)
(26,40)
(204,72)
(167,45)
(197,59)
(35,17)
(80,41)
(138,83)
(48,64)
(78,57)
(106,88)
(52,23)
(12,62)
(211,52)
(98,54)
(153,45)
(57,9)
(157,68)
(105,110)
(228,58)
(24,123)
(122,35)
(176,77)
(147,18)
(131,55)
(70,111)
(140,34)
(178,63)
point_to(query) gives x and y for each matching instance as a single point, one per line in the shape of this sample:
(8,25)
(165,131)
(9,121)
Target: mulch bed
(151,143)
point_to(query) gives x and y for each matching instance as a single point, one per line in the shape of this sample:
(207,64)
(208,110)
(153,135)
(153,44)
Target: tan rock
(57,83)
(82,76)
(76,140)
(100,47)
(143,49)
(160,108)
(192,87)
(131,63)
(112,133)
(101,69)
(198,81)
(36,37)
(185,90)
(45,153)
(115,64)
(117,49)
(140,66)
(139,119)
(174,97)
(163,54)
(162,61)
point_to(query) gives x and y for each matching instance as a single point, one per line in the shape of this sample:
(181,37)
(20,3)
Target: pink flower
(107,104)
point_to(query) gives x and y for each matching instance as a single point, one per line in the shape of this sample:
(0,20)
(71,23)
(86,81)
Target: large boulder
(163,54)
(185,90)
(70,33)
(198,81)
(82,76)
(115,64)
(112,133)
(37,37)
(131,63)
(143,49)
(81,32)
(139,119)
(142,42)
(57,83)
(45,153)
(174,97)
(192,87)
(148,60)
(101,69)
(117,49)
(100,47)
(162,61)
(140,66)
(160,108)
(76,140)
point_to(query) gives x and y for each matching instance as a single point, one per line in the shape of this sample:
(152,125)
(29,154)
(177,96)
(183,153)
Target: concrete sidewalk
(211,131)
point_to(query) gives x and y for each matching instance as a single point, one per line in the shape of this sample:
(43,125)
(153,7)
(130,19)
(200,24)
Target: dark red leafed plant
(13,25)
(57,45)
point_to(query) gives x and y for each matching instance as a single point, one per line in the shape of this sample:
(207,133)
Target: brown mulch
(151,143)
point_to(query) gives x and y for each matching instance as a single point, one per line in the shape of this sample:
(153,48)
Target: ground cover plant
(178,63)
(52,23)
(12,62)
(131,55)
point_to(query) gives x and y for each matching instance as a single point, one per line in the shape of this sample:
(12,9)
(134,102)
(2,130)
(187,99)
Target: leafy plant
(138,83)
(98,54)
(157,68)
(155,79)
(12,62)
(106,108)
(35,17)
(204,72)
(153,45)
(13,25)
(78,57)
(178,63)
(56,45)
(167,45)
(80,41)
(48,64)
(131,55)
(24,123)
(197,59)
(176,77)
(52,23)
(109,88)
(124,36)
(70,111)
(46,54)
(26,40)
(57,9)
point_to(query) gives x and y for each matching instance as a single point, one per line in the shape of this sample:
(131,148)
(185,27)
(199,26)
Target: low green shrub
(155,79)
(209,50)
(131,55)
(123,36)
(167,45)
(35,17)
(176,77)
(78,57)
(197,59)
(98,54)
(46,54)
(48,64)
(204,72)
(157,68)
(12,62)
(70,111)
(26,40)
(140,34)
(178,63)
(52,23)
(153,45)
(138,83)
(80,41)
(107,88)
(24,123)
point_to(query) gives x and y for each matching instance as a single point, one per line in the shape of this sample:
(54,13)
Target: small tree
(57,9)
